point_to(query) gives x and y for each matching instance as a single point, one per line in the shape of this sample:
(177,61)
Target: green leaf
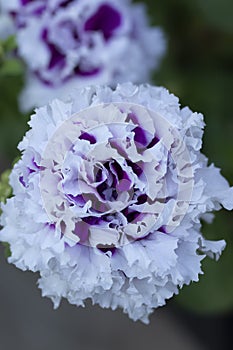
(7,251)
(13,123)
(5,188)
(11,66)
(5,192)
(9,44)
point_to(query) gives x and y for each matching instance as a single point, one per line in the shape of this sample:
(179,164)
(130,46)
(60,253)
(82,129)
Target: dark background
(199,69)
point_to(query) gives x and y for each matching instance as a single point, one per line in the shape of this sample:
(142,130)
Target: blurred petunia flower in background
(76,43)
(6,26)
(109,196)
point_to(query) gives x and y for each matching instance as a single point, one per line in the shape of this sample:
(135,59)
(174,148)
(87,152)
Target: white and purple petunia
(109,196)
(68,43)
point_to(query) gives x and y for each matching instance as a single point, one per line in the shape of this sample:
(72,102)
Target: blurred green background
(199,69)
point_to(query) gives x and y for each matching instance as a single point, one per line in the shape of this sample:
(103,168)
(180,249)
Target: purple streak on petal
(110,183)
(162,229)
(106,20)
(98,207)
(71,28)
(13,14)
(88,137)
(118,146)
(114,194)
(130,214)
(108,249)
(135,167)
(57,59)
(121,174)
(99,176)
(30,171)
(25,2)
(52,226)
(153,142)
(144,237)
(101,188)
(78,200)
(142,199)
(114,180)
(131,116)
(123,182)
(47,82)
(35,164)
(92,220)
(124,185)
(140,136)
(21,180)
(39,9)
(65,3)
(86,73)
(82,230)
(107,166)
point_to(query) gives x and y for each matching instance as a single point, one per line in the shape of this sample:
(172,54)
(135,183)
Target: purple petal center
(106,20)
(117,181)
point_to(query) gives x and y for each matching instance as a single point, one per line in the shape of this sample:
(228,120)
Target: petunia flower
(109,196)
(76,43)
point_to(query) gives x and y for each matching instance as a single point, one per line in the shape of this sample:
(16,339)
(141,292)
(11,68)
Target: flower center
(115,181)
